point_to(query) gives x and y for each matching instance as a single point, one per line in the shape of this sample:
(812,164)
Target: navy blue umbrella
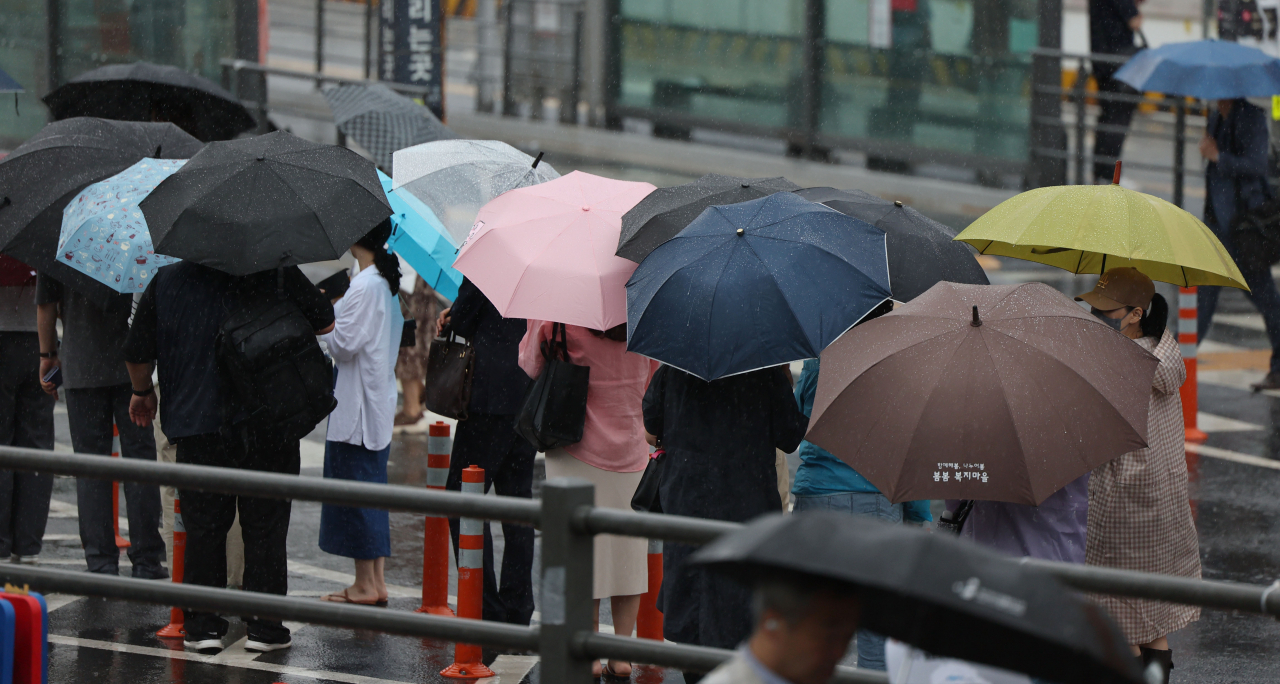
(755,284)
(1207,69)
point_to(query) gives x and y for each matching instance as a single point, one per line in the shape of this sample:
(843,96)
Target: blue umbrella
(1206,69)
(420,237)
(104,234)
(755,284)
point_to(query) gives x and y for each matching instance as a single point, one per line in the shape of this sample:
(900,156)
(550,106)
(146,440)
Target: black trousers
(90,411)
(26,420)
(1107,143)
(488,441)
(264,523)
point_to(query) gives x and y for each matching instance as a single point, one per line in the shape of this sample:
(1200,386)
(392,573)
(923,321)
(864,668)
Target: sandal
(345,598)
(608,674)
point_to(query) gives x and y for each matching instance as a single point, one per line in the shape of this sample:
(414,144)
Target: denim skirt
(359,533)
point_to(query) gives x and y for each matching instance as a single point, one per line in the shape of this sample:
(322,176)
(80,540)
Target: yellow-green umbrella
(1091,228)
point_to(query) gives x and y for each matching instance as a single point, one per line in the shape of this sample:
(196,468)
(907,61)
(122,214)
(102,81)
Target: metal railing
(1079,126)
(568,518)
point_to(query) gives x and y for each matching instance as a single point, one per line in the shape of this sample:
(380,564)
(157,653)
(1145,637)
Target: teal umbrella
(421,239)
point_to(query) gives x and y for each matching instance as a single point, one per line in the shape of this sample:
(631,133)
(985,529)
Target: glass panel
(735,60)
(956,76)
(22,56)
(191,34)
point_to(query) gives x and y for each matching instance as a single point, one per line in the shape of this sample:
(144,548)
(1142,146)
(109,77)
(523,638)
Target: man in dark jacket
(486,439)
(1235,145)
(1112,24)
(176,326)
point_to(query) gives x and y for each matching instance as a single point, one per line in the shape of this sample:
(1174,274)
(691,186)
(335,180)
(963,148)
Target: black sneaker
(204,644)
(266,644)
(1271,382)
(152,573)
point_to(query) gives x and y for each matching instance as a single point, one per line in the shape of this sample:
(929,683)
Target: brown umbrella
(995,393)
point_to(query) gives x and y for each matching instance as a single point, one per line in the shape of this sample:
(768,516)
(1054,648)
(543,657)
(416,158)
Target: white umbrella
(454,178)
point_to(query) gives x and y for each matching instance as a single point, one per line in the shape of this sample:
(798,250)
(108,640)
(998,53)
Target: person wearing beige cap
(1139,517)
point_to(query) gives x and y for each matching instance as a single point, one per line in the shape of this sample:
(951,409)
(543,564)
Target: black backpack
(273,365)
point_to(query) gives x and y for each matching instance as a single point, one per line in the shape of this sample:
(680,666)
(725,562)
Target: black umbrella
(921,250)
(253,204)
(666,211)
(382,120)
(143,91)
(46,172)
(945,596)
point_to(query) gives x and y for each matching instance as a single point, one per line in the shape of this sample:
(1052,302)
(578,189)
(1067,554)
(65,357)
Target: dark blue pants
(90,412)
(1263,294)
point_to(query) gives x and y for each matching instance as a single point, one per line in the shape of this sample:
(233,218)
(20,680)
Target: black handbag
(450,366)
(554,410)
(647,499)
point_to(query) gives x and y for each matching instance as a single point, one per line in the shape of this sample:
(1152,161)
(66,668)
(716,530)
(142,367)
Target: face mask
(1113,322)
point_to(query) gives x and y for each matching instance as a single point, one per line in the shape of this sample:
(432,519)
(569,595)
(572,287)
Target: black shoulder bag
(554,410)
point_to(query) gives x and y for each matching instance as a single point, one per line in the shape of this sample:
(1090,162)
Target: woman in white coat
(364,343)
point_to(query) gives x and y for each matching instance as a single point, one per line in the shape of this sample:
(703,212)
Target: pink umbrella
(546,251)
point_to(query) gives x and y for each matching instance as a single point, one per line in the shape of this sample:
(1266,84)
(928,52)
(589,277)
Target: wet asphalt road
(1236,507)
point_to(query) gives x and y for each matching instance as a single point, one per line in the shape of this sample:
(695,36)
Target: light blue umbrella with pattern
(104,234)
(420,237)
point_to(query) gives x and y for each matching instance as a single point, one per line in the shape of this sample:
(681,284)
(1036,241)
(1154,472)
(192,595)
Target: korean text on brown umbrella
(995,393)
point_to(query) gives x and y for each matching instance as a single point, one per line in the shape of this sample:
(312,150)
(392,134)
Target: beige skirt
(621,563)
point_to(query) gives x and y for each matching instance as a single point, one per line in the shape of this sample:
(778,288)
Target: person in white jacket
(364,344)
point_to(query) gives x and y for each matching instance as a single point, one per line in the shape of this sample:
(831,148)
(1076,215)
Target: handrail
(275,607)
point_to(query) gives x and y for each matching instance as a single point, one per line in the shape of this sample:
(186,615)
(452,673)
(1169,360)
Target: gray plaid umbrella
(382,120)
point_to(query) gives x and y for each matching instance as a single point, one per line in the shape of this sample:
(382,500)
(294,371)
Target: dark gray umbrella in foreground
(921,251)
(39,177)
(382,120)
(253,204)
(940,594)
(667,211)
(143,91)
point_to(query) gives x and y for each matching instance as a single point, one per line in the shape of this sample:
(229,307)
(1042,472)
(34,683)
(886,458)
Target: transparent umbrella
(454,178)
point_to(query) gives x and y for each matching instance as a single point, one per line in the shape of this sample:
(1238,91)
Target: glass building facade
(85,34)
(912,80)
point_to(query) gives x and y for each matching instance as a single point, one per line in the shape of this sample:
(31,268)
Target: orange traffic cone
(174,629)
(468,659)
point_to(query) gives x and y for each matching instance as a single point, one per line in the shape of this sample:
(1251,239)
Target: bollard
(649,620)
(468,659)
(121,542)
(435,541)
(174,629)
(1187,340)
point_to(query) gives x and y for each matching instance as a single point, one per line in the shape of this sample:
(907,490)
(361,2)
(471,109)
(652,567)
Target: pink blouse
(613,437)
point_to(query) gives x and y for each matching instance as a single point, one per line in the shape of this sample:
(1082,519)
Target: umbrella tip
(538,160)
(1115,177)
(976,321)
(157,154)
(746,185)
(897,203)
(5,202)
(261,158)
(739,230)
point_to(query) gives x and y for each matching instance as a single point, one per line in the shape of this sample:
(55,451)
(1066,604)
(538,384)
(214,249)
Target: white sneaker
(204,646)
(266,646)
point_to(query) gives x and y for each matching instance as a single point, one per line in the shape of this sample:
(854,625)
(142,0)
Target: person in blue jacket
(1235,145)
(824,482)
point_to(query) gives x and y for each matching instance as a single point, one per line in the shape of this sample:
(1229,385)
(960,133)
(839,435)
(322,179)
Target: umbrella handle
(1115,178)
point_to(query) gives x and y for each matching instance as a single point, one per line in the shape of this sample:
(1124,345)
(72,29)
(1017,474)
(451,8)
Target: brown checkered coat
(1139,515)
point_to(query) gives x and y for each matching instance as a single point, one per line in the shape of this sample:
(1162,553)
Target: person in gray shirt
(26,415)
(98,392)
